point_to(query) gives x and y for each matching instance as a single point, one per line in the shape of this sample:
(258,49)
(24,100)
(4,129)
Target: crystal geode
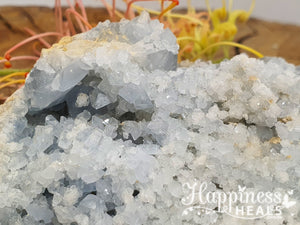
(109,130)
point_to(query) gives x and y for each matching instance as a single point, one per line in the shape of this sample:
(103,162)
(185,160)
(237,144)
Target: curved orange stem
(27,40)
(23,57)
(82,8)
(78,20)
(35,50)
(77,15)
(114,10)
(32,33)
(58,17)
(170,7)
(109,10)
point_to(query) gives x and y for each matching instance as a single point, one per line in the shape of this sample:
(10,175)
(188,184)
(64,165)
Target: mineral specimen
(109,130)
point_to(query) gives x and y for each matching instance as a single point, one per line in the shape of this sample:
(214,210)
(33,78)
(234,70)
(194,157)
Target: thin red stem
(32,33)
(70,24)
(58,17)
(23,57)
(66,28)
(7,53)
(114,10)
(109,10)
(130,11)
(77,20)
(77,15)
(162,5)
(35,50)
(129,6)
(170,7)
(83,12)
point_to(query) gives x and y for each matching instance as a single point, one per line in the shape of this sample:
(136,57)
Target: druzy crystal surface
(108,129)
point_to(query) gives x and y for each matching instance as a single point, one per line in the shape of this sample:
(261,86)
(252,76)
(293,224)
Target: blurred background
(283,11)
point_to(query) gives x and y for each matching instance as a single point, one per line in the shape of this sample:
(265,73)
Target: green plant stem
(228,43)
(4,72)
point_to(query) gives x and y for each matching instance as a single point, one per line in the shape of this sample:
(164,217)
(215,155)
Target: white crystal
(99,100)
(40,212)
(107,129)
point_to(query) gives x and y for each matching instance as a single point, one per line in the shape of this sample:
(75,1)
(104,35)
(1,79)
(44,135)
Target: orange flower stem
(170,7)
(114,10)
(58,17)
(35,50)
(77,19)
(108,8)
(32,33)
(83,12)
(27,40)
(16,58)
(77,15)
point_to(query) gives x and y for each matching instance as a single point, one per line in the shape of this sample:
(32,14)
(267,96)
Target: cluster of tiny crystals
(108,128)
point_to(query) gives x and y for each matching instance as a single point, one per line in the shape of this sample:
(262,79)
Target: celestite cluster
(109,130)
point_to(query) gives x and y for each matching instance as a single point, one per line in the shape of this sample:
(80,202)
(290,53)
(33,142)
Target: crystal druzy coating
(108,128)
